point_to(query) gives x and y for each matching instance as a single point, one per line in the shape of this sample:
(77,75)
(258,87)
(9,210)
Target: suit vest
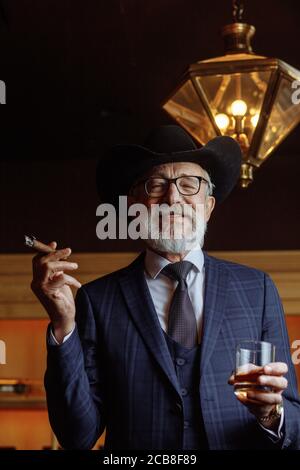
(187,366)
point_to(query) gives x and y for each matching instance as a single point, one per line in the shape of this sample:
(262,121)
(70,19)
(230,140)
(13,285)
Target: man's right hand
(53,288)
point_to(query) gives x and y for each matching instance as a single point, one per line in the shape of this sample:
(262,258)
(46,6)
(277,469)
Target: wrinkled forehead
(172,170)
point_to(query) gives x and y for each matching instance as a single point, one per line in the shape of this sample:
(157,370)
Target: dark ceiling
(83,75)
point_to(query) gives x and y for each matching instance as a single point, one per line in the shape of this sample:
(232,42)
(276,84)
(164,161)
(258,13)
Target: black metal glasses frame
(173,180)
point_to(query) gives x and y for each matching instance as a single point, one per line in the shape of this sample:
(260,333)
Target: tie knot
(178,271)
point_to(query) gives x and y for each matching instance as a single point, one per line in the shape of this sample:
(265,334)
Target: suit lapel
(216,283)
(138,299)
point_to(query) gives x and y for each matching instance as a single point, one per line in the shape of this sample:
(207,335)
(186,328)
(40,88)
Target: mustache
(185,210)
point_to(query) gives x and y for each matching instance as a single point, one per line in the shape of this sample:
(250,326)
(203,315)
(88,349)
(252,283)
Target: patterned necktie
(182,326)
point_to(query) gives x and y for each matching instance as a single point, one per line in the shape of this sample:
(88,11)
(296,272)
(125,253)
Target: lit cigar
(32,242)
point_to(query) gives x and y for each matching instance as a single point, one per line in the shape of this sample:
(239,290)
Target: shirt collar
(154,262)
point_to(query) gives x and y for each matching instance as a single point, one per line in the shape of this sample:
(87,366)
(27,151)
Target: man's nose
(172,195)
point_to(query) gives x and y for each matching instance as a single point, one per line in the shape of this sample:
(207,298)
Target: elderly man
(147,352)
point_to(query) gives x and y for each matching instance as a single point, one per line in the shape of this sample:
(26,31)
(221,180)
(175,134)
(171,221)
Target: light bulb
(254,120)
(222,121)
(238,108)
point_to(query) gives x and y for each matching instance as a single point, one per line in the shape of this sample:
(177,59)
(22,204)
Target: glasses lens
(156,187)
(188,185)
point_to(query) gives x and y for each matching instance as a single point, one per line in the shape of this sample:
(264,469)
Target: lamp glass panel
(221,90)
(187,109)
(285,115)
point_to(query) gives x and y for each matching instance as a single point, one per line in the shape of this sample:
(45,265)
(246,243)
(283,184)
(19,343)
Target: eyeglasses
(186,185)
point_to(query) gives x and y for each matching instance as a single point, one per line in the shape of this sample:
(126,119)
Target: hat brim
(221,158)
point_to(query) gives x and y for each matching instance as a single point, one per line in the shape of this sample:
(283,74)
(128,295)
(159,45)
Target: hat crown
(221,157)
(169,139)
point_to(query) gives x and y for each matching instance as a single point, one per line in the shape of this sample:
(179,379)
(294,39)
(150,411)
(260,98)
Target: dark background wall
(82,76)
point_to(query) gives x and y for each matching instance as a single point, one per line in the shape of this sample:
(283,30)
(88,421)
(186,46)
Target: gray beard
(175,246)
(166,238)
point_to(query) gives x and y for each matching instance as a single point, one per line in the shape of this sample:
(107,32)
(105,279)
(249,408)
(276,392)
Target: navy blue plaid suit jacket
(115,370)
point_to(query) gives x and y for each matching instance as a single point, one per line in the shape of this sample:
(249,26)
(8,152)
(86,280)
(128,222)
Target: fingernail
(268,369)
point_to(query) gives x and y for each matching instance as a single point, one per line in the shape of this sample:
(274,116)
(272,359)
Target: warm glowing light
(254,120)
(238,108)
(222,121)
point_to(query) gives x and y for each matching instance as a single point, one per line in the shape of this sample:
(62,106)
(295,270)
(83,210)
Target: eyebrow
(160,175)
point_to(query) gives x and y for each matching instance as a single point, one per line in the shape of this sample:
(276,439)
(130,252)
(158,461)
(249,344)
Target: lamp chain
(237,10)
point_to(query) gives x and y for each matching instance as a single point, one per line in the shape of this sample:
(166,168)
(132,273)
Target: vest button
(184,392)
(186,424)
(180,361)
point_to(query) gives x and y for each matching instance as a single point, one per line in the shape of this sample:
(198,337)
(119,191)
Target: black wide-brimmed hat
(221,157)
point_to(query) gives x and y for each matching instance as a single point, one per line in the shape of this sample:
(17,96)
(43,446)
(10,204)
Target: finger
(57,255)
(40,255)
(262,398)
(65,279)
(231,380)
(54,266)
(276,368)
(42,258)
(277,383)
(248,401)
(252,403)
(71,281)
(56,274)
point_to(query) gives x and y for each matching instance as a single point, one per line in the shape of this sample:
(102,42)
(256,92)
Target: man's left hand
(262,403)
